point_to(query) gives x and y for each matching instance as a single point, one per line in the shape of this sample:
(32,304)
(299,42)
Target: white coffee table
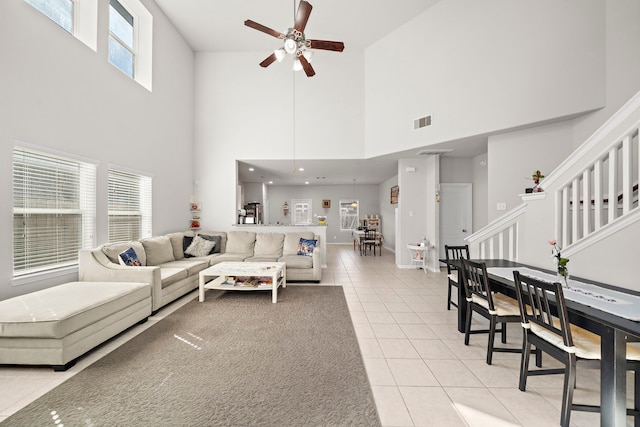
(274,271)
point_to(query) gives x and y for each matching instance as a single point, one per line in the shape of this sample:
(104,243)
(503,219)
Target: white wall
(367,196)
(481,67)
(388,213)
(59,94)
(622,36)
(244,111)
(513,158)
(480,167)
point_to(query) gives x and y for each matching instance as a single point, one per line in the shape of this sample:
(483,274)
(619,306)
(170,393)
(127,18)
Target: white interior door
(455,214)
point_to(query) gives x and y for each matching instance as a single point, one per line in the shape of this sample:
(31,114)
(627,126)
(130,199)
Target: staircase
(591,195)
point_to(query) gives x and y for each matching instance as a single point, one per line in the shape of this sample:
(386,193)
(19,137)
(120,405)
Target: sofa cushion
(113,250)
(223,239)
(269,244)
(292,239)
(228,257)
(129,257)
(176,243)
(307,246)
(297,261)
(170,275)
(241,242)
(60,310)
(193,265)
(216,239)
(158,250)
(199,247)
(261,258)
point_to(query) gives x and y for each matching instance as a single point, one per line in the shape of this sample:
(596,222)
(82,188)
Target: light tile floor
(420,371)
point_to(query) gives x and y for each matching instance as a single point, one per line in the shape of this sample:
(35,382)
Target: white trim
(43,275)
(533,196)
(497,225)
(616,119)
(604,232)
(54,152)
(129,170)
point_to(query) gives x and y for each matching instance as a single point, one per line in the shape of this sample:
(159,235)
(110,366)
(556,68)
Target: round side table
(418,255)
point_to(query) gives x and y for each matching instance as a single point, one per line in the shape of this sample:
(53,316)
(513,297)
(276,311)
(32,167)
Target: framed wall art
(395,192)
(326,203)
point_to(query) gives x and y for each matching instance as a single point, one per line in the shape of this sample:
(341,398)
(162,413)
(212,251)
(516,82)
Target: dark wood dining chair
(546,325)
(369,241)
(454,278)
(496,307)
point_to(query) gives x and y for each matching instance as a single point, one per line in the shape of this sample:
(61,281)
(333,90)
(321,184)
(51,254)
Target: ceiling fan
(295,42)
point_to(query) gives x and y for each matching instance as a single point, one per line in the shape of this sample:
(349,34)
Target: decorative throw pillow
(199,247)
(216,239)
(186,241)
(306,247)
(129,258)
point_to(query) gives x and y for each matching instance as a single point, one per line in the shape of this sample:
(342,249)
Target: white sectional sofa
(171,275)
(55,326)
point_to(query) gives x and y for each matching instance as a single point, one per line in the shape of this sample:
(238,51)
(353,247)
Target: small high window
(59,11)
(121,30)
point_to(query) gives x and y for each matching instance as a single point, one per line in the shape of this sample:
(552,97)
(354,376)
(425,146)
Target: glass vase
(563,279)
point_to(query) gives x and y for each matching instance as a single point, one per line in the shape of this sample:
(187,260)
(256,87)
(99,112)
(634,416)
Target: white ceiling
(218,25)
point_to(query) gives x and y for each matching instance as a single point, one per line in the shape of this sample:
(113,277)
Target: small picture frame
(326,203)
(395,192)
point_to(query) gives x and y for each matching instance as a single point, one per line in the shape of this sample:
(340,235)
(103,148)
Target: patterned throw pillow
(306,247)
(129,258)
(199,247)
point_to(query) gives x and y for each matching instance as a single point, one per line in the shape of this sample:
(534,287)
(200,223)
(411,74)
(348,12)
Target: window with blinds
(129,206)
(53,210)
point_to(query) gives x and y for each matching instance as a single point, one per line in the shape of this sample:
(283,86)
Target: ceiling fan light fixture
(297,65)
(280,54)
(307,54)
(290,45)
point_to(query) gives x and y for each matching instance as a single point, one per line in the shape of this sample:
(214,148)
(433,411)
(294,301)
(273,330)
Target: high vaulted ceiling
(218,25)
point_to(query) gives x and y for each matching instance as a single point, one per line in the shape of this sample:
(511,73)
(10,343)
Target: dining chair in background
(496,307)
(546,325)
(453,273)
(369,241)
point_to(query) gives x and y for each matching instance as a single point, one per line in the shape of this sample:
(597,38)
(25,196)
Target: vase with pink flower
(561,264)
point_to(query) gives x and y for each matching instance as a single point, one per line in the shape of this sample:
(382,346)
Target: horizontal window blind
(53,210)
(130,201)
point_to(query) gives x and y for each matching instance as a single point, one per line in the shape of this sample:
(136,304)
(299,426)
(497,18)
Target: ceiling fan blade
(304,10)
(260,27)
(268,60)
(326,45)
(308,69)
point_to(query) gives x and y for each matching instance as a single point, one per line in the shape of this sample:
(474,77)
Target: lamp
(290,45)
(280,54)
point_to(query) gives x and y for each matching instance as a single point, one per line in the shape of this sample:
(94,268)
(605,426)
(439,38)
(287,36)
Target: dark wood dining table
(615,332)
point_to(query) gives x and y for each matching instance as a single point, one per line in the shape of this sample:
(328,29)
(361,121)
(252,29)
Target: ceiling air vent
(422,122)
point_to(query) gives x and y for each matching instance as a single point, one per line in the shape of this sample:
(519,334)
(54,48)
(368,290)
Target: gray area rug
(234,360)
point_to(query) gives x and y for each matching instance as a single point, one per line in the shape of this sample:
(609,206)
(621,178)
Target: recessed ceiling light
(306,182)
(300,169)
(251,169)
(270,182)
